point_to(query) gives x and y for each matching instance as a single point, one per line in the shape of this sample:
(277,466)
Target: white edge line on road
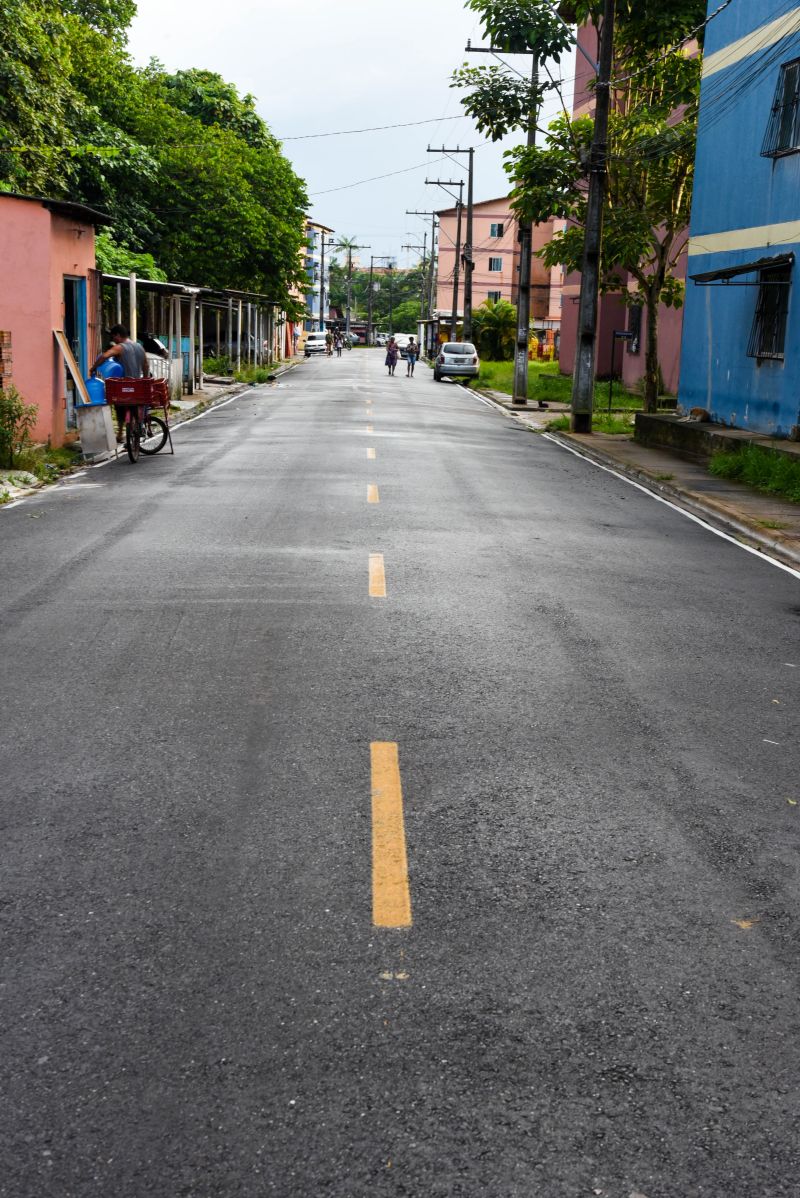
(675,507)
(65,483)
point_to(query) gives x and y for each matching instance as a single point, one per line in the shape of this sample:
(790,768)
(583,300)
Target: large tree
(651,143)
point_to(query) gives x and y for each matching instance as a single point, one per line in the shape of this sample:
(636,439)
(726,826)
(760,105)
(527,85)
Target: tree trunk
(651,365)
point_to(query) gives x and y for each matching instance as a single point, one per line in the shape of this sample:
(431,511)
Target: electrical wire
(375,178)
(436,120)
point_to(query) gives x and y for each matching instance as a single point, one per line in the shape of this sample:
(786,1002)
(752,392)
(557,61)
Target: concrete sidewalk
(762,521)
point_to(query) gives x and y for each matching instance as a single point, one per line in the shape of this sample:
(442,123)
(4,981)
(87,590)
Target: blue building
(317,265)
(741,335)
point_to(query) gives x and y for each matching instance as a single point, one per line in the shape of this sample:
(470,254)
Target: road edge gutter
(716,514)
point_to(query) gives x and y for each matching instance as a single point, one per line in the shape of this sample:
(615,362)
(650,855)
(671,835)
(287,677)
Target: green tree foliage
(494,329)
(186,168)
(114,259)
(405,316)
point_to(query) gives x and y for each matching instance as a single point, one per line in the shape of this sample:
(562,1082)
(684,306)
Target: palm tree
(494,327)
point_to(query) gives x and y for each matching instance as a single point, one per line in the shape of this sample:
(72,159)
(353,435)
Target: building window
(496,230)
(783,132)
(495,264)
(768,336)
(635,328)
(494,296)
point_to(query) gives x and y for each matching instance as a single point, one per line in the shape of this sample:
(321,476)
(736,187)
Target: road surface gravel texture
(594,702)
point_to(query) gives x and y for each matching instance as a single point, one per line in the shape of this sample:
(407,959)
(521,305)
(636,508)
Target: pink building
(48,282)
(614,314)
(496,258)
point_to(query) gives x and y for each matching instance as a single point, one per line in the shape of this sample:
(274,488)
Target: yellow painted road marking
(372,493)
(371,455)
(377,576)
(369,428)
(391,897)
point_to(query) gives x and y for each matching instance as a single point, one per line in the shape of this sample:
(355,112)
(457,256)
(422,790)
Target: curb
(717,514)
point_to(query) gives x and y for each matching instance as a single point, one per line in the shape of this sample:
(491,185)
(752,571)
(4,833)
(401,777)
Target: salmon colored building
(48,282)
(614,314)
(496,257)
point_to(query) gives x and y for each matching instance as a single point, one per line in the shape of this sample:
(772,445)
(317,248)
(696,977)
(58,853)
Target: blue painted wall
(735,188)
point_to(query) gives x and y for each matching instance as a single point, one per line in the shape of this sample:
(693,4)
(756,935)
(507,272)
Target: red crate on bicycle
(137,391)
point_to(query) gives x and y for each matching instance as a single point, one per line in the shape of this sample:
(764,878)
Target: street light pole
(373,258)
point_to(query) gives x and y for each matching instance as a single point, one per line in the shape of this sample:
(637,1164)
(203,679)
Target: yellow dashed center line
(377,576)
(369,428)
(372,493)
(371,455)
(391,896)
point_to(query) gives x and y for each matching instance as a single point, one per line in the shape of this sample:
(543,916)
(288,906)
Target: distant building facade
(741,346)
(496,258)
(314,272)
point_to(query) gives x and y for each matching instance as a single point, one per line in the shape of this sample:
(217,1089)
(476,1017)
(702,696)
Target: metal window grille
(635,328)
(494,295)
(495,264)
(783,132)
(768,335)
(496,230)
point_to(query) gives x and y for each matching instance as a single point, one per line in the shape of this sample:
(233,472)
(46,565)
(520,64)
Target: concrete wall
(37,249)
(746,207)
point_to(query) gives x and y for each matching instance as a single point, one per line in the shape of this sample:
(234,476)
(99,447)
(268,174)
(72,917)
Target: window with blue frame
(783,132)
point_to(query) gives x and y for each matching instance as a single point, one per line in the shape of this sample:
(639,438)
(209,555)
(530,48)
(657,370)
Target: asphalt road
(594,703)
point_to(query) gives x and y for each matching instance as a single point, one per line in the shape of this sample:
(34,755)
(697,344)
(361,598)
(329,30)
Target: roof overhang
(70,209)
(723,276)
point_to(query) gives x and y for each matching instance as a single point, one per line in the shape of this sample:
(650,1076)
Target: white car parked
(315,344)
(456,359)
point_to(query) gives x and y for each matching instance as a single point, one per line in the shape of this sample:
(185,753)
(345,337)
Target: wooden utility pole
(583,379)
(446,184)
(467,251)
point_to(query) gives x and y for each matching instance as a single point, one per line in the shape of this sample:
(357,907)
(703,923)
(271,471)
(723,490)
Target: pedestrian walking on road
(329,345)
(391,354)
(412,353)
(339,343)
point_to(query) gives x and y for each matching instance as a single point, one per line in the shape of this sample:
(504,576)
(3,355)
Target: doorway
(75,333)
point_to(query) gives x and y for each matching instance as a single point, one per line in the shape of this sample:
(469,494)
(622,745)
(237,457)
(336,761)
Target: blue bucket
(97,390)
(110,369)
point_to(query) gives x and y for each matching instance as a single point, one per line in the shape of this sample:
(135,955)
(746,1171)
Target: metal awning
(727,273)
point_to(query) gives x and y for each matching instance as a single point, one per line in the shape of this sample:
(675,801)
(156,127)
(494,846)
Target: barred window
(783,132)
(768,335)
(496,230)
(495,264)
(494,295)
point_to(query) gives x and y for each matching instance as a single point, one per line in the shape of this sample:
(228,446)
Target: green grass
(222,365)
(49,464)
(601,423)
(253,374)
(546,383)
(776,524)
(772,473)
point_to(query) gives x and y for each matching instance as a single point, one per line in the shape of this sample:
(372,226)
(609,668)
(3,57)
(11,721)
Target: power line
(436,120)
(374,178)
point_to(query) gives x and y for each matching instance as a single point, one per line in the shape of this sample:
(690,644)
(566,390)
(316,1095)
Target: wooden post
(239,338)
(219,314)
(192,345)
(200,337)
(132,305)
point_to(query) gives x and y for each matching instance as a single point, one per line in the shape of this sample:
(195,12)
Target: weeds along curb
(716,514)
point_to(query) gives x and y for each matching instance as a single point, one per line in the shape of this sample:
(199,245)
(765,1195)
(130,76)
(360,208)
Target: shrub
(222,365)
(17,419)
(775,473)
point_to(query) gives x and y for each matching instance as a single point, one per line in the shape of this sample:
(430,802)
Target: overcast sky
(322,66)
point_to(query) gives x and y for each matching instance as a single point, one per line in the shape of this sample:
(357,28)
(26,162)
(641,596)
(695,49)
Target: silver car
(456,359)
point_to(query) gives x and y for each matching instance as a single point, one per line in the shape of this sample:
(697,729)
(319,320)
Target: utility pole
(373,258)
(344,246)
(424,249)
(468,259)
(583,379)
(431,294)
(446,184)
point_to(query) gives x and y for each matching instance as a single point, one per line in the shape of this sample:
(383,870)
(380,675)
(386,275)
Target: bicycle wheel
(133,439)
(154,434)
